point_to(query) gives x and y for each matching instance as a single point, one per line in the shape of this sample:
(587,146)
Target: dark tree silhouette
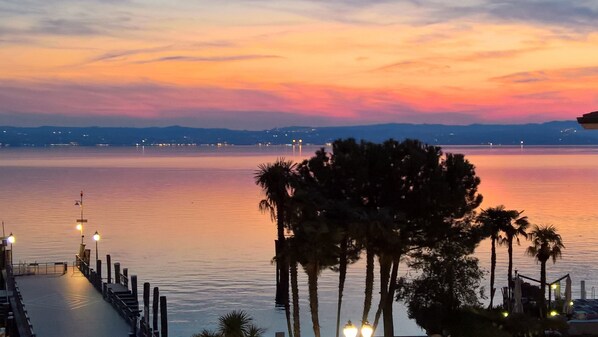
(276,181)
(546,244)
(516,227)
(497,220)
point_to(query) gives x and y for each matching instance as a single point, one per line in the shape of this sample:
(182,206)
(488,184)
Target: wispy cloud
(120,54)
(564,74)
(65,27)
(227,58)
(412,66)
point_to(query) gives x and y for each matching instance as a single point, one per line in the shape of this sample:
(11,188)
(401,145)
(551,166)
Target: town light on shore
(11,239)
(350,330)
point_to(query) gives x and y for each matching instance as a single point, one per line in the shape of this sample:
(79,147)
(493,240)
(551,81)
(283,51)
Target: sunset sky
(251,64)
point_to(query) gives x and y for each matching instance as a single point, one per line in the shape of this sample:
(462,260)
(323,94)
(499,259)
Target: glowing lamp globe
(96,236)
(11,239)
(350,330)
(367,330)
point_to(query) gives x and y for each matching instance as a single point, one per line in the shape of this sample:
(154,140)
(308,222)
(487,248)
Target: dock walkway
(68,305)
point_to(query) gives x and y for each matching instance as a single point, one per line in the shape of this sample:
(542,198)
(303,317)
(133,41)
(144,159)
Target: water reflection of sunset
(188,220)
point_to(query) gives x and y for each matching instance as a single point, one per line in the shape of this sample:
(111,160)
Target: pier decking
(68,305)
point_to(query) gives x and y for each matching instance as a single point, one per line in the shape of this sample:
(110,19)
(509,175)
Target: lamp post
(96,238)
(80,229)
(351,331)
(11,240)
(81,220)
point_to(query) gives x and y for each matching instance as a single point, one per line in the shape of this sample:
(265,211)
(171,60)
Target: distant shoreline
(558,133)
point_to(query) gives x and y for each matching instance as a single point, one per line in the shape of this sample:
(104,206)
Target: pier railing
(21,320)
(124,300)
(37,268)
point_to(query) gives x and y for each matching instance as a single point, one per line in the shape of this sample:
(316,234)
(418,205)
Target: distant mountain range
(550,133)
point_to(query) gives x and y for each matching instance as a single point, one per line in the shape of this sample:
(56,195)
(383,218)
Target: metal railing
(36,268)
(94,278)
(122,301)
(23,319)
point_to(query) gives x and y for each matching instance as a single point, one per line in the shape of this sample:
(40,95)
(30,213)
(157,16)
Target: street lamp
(96,238)
(367,330)
(350,330)
(81,220)
(80,229)
(11,240)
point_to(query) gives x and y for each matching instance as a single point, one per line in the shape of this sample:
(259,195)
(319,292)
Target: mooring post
(146,299)
(99,272)
(126,275)
(134,288)
(155,308)
(117,272)
(163,317)
(109,271)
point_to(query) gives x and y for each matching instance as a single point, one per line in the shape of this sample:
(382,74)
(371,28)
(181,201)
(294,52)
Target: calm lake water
(186,220)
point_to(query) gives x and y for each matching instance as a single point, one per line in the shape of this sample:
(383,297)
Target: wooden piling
(155,308)
(117,272)
(126,276)
(87,257)
(134,287)
(109,271)
(163,317)
(146,299)
(99,272)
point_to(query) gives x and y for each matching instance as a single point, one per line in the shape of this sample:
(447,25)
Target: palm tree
(515,228)
(276,181)
(546,244)
(496,220)
(236,323)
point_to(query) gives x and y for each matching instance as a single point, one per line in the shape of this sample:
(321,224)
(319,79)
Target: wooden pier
(73,299)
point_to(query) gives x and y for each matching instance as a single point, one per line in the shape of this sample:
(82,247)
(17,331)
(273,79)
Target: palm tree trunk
(282,287)
(385,266)
(295,291)
(312,282)
(510,273)
(387,311)
(492,269)
(543,310)
(342,275)
(369,283)
(277,254)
